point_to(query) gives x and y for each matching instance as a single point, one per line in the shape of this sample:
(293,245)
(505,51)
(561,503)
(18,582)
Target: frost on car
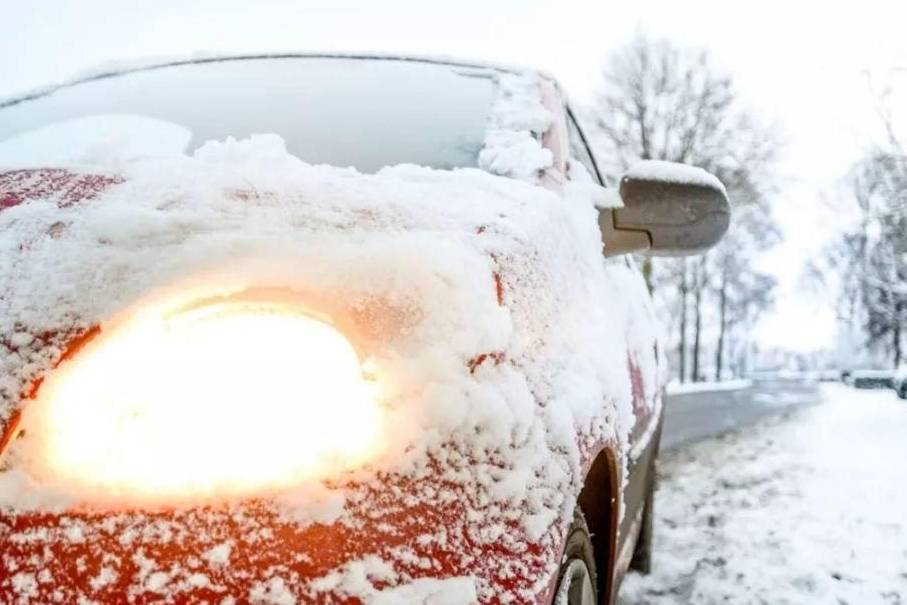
(316,330)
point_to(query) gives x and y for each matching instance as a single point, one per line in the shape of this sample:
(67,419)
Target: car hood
(483,302)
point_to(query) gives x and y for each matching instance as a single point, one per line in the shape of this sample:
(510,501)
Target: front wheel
(902,390)
(576,578)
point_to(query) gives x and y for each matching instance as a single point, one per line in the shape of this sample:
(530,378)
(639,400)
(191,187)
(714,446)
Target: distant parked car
(829,376)
(899,382)
(873,379)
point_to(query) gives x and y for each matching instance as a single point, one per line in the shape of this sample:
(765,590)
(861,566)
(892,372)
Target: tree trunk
(647,269)
(697,326)
(722,325)
(896,336)
(733,354)
(682,347)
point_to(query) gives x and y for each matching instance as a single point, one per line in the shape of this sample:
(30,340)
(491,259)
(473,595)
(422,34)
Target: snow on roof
(120,67)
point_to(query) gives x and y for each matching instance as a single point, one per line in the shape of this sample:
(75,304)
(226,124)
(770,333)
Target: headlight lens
(226,399)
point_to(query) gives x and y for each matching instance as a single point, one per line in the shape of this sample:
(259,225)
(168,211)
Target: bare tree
(871,257)
(868,261)
(684,294)
(663,102)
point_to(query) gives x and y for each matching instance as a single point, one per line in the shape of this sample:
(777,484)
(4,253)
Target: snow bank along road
(808,507)
(694,414)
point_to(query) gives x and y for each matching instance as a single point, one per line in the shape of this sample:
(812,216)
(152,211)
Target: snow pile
(97,139)
(672,172)
(356,578)
(518,121)
(676,388)
(809,509)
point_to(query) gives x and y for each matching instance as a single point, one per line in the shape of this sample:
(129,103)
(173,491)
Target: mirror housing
(668,209)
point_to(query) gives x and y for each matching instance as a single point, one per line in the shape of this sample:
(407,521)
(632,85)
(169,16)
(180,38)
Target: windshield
(365,113)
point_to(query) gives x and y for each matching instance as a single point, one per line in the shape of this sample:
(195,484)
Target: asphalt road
(693,416)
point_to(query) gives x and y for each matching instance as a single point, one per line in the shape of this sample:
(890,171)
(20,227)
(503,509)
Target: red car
(326,329)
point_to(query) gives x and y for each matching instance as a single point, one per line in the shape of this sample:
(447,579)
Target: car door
(645,373)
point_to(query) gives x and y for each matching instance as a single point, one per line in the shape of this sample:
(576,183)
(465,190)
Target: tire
(576,583)
(642,554)
(902,390)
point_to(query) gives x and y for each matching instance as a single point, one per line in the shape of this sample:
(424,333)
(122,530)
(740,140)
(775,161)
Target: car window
(578,148)
(365,113)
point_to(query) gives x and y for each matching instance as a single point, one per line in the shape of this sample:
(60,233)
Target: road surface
(781,513)
(693,416)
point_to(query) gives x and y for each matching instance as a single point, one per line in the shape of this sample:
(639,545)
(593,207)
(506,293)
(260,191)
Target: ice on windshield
(95,139)
(339,111)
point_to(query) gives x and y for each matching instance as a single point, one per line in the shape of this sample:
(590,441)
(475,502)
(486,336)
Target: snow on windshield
(519,119)
(364,113)
(427,114)
(95,139)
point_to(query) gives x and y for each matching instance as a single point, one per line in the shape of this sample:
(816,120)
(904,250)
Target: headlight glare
(225,399)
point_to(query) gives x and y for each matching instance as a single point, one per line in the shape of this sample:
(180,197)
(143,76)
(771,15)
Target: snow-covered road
(810,508)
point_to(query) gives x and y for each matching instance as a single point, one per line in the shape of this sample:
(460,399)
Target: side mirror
(668,210)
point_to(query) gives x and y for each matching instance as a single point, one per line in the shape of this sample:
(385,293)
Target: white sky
(806,65)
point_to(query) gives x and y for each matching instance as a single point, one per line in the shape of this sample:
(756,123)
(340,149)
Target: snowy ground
(677,388)
(809,508)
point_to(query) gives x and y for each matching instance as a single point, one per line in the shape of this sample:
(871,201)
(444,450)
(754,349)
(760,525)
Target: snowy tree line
(870,258)
(660,101)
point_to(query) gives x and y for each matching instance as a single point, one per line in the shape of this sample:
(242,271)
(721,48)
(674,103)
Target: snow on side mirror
(667,209)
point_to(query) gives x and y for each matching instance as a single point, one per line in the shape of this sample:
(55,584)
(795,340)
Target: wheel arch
(598,500)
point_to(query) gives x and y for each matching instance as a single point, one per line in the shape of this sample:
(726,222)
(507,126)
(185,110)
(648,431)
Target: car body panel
(106,557)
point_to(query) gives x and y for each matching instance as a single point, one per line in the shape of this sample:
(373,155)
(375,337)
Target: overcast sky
(810,66)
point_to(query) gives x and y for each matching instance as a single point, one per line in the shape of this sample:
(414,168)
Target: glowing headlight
(227,399)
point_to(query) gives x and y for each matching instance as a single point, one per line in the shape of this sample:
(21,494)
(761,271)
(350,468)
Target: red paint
(496,356)
(78,343)
(12,425)
(394,515)
(637,387)
(8,201)
(397,512)
(72,343)
(58,184)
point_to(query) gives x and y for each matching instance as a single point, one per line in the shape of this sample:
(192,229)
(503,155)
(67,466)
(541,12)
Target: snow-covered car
(326,329)
(872,379)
